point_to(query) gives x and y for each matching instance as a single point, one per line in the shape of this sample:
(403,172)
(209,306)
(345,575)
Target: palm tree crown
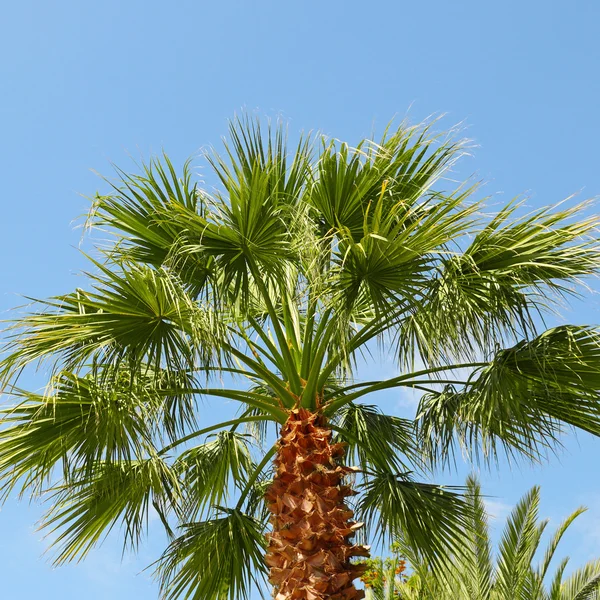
(283,278)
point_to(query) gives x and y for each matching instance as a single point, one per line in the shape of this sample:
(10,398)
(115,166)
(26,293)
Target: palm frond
(522,399)
(258,430)
(176,403)
(554,590)
(256,505)
(214,559)
(140,213)
(514,270)
(79,424)
(134,315)
(392,262)
(208,470)
(542,569)
(544,247)
(406,162)
(432,518)
(519,543)
(583,584)
(375,439)
(475,571)
(253,152)
(250,230)
(88,507)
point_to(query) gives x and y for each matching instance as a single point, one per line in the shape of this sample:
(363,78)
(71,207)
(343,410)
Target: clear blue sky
(87,83)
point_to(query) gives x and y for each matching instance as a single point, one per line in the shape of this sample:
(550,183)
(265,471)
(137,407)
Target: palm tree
(476,574)
(281,282)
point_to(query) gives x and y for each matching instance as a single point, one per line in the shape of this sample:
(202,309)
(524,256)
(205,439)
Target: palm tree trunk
(309,549)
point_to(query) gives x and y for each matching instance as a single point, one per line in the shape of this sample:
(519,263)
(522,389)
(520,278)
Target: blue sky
(86,84)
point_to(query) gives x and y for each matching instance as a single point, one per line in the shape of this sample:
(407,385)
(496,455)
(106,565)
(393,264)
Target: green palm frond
(134,315)
(542,570)
(177,405)
(554,590)
(375,439)
(251,230)
(583,584)
(522,398)
(215,559)
(208,470)
(251,153)
(418,588)
(406,162)
(519,544)
(540,248)
(513,270)
(392,262)
(81,423)
(429,517)
(476,567)
(258,430)
(87,508)
(140,213)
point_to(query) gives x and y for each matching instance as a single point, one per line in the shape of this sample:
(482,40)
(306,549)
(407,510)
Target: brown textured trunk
(309,548)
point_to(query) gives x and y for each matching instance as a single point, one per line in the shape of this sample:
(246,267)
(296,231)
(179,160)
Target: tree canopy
(268,291)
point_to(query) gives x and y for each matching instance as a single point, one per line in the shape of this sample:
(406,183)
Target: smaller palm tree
(474,574)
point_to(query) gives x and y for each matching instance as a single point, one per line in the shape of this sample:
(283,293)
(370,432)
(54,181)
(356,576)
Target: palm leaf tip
(134,314)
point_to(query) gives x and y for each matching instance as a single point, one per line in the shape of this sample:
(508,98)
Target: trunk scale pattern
(309,549)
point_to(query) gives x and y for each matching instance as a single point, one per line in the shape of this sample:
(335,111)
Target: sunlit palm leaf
(214,559)
(256,505)
(252,153)
(475,570)
(406,163)
(79,424)
(88,507)
(513,269)
(432,518)
(208,471)
(133,315)
(542,569)
(140,212)
(519,544)
(522,399)
(393,259)
(583,584)
(375,439)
